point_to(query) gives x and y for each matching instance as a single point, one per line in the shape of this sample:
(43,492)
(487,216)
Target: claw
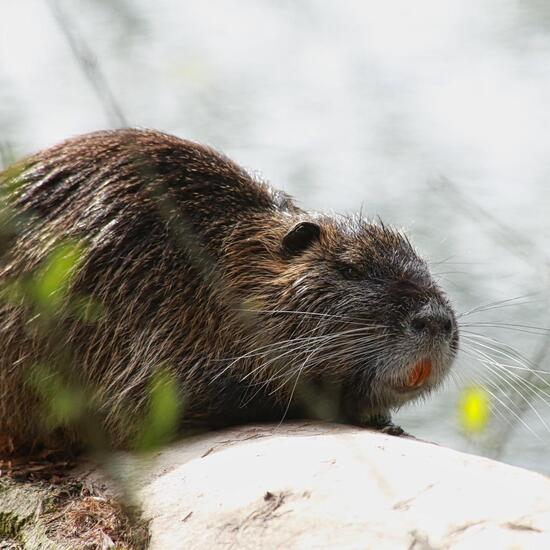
(392,429)
(385,425)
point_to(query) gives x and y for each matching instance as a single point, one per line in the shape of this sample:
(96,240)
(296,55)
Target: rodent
(204,270)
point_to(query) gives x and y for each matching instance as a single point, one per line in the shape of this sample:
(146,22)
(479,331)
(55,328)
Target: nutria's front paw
(392,429)
(385,425)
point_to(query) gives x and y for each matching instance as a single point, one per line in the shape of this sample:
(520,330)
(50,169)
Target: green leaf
(51,284)
(64,403)
(165,404)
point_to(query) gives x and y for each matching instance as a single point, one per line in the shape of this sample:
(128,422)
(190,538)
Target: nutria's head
(341,296)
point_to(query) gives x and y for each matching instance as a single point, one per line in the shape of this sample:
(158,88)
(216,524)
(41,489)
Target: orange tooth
(419,373)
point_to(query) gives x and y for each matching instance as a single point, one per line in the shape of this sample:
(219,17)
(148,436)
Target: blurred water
(343,105)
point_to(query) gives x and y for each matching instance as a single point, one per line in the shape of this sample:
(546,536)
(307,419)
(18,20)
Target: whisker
(507,352)
(507,407)
(497,405)
(346,318)
(326,359)
(540,392)
(292,342)
(529,329)
(497,304)
(495,368)
(313,340)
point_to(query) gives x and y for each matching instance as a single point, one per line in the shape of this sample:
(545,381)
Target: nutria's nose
(433,319)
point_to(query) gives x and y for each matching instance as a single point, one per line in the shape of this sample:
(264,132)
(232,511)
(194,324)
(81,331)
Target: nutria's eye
(300,237)
(350,272)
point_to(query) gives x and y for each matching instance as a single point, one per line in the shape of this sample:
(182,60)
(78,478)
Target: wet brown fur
(183,251)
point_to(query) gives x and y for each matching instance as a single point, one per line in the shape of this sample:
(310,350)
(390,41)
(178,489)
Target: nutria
(201,269)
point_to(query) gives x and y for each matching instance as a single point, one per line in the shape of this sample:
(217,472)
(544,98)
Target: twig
(504,235)
(90,67)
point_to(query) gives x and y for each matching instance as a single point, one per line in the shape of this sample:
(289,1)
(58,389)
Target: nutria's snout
(432,337)
(435,320)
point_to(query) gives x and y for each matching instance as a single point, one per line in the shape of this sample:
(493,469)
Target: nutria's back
(202,271)
(108,176)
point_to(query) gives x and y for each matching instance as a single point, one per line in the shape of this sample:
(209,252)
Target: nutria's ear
(300,237)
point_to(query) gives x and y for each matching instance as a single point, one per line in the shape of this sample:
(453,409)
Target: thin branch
(507,237)
(89,65)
